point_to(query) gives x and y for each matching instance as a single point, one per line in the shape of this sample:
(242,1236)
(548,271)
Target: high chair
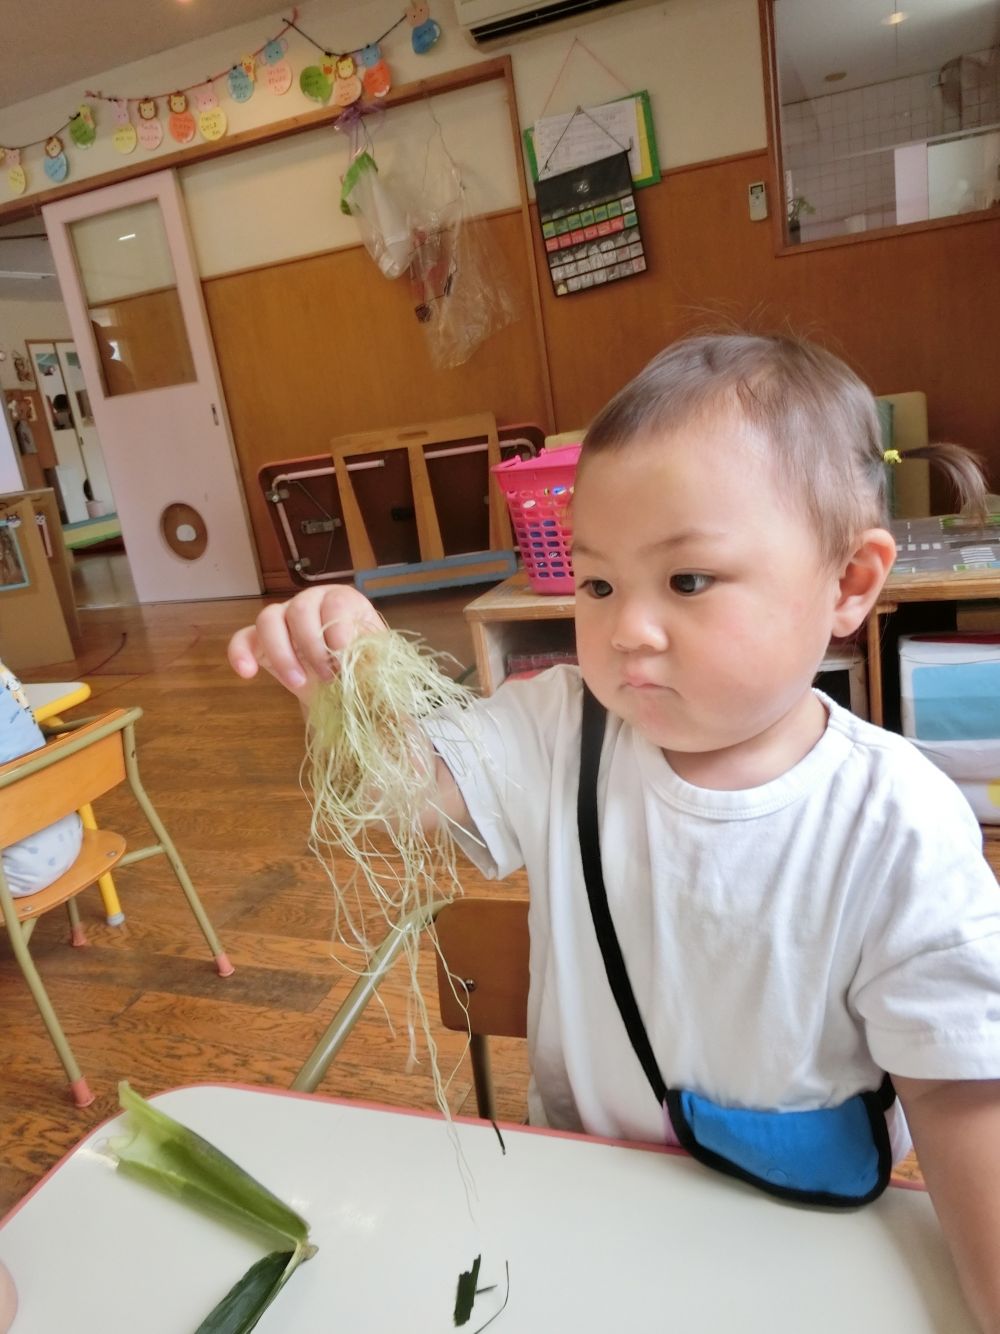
(84,761)
(482,976)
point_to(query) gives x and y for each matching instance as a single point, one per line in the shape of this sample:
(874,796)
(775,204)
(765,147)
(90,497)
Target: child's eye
(597,588)
(689,584)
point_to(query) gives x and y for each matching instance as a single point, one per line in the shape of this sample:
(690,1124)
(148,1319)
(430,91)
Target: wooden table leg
(873,628)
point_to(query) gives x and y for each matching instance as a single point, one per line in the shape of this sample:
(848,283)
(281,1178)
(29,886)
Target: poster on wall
(590,228)
(12,571)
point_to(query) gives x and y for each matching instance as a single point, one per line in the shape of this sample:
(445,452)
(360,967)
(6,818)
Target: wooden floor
(142,1002)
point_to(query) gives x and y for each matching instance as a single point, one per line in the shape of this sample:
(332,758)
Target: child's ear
(861,579)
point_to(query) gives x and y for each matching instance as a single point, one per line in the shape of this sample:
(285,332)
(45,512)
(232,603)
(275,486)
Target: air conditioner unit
(487,22)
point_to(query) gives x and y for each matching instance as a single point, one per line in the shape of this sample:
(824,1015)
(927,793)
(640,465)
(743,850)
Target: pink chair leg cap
(224,967)
(77,936)
(82,1095)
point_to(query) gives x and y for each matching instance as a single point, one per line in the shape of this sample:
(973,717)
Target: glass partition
(888,113)
(128,280)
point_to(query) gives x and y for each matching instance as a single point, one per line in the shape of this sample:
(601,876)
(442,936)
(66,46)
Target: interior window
(888,112)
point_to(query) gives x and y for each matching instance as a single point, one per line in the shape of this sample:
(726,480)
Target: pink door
(128,276)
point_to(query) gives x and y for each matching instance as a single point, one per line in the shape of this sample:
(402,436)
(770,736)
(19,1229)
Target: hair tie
(892,456)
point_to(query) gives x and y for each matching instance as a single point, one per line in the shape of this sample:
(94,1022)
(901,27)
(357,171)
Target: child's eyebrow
(664,544)
(687,535)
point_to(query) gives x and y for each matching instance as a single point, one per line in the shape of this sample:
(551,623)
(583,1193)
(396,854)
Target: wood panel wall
(325,345)
(916,310)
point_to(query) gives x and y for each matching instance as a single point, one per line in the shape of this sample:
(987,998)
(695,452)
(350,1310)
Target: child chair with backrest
(82,763)
(482,976)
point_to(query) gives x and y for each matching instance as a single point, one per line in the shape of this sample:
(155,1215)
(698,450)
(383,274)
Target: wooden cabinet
(37,619)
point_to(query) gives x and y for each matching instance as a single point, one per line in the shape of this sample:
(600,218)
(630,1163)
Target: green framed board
(589,133)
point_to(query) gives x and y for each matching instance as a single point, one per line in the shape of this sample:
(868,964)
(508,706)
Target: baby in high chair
(760,926)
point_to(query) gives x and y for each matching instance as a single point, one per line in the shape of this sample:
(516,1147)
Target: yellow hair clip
(892,456)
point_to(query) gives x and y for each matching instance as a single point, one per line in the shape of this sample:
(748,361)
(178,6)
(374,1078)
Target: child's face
(703,605)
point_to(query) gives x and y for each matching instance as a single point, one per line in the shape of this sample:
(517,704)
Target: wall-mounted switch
(757,194)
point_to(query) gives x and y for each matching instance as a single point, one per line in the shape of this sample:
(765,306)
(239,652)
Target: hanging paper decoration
(181,122)
(241,79)
(124,137)
(211,117)
(16,177)
(150,130)
(425,30)
(277,71)
(346,84)
(315,82)
(82,129)
(56,164)
(374,71)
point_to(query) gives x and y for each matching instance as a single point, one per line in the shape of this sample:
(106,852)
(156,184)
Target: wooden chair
(84,761)
(482,983)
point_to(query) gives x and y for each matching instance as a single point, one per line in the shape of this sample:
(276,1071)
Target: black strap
(592,737)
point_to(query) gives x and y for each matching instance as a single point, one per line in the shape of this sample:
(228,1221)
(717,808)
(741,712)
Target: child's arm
(293,641)
(956,1131)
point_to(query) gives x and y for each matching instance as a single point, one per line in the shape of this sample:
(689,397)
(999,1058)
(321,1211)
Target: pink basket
(538,493)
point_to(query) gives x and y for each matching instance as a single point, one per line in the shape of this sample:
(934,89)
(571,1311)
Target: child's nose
(638,626)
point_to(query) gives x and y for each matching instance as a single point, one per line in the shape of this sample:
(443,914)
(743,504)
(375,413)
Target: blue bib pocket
(835,1156)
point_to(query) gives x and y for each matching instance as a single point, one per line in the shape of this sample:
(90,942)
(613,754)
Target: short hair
(818,419)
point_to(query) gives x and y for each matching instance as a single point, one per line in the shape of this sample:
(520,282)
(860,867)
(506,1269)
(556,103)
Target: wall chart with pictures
(589,223)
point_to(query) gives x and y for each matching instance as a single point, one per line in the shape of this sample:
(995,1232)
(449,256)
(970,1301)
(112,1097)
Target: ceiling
(66,42)
(820,37)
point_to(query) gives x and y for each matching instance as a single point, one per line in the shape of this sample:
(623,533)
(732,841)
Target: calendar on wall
(590,227)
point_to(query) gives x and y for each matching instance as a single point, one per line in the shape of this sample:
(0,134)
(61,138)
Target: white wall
(700,61)
(20,320)
(10,472)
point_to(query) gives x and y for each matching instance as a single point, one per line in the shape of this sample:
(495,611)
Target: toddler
(34,863)
(748,907)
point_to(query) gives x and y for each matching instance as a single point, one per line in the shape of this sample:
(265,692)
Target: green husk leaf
(168,1155)
(247,1300)
(465,1294)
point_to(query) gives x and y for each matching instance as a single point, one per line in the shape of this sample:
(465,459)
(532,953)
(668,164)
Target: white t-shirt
(785,943)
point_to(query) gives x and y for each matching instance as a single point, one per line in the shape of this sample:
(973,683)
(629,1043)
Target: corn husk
(167,1155)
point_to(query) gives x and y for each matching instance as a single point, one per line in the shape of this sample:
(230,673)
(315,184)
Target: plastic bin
(538,493)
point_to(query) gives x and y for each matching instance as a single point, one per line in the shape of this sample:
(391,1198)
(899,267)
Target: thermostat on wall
(757,193)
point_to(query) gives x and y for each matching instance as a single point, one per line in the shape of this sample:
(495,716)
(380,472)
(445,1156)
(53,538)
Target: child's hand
(292,640)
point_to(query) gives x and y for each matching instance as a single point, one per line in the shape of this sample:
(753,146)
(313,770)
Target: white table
(599,1237)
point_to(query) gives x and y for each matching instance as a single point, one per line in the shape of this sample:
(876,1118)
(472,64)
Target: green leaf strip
(465,1293)
(164,1153)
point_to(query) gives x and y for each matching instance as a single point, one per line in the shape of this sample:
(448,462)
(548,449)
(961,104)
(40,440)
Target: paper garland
(346,78)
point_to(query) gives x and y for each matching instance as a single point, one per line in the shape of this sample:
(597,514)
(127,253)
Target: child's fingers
(275,649)
(242,652)
(322,621)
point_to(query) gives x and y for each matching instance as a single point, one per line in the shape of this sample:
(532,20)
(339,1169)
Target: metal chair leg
(109,895)
(77,935)
(79,1088)
(349,1011)
(479,1054)
(222,964)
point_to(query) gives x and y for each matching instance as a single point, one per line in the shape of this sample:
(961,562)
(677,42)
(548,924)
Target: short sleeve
(501,754)
(928,987)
